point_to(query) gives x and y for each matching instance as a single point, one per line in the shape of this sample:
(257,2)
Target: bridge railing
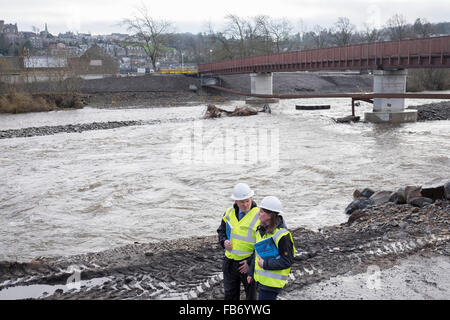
(346,57)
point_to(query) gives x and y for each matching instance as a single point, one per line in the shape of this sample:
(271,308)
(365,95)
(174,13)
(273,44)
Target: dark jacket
(222,231)
(283,261)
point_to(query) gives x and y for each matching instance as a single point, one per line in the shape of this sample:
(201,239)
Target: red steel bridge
(404,54)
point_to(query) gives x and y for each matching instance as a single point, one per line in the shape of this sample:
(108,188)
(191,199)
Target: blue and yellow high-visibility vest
(242,233)
(272,278)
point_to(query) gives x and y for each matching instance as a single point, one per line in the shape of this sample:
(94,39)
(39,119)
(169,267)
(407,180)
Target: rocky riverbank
(433,111)
(383,235)
(78,128)
(70,128)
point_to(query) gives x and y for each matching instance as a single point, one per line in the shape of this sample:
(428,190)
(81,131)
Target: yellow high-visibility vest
(243,233)
(272,278)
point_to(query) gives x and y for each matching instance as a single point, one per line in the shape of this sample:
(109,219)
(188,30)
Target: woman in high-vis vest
(237,235)
(274,251)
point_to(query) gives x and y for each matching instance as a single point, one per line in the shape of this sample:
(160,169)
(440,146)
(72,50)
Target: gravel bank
(73,128)
(49,130)
(433,111)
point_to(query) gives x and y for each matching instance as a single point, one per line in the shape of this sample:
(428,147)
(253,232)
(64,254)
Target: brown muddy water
(73,193)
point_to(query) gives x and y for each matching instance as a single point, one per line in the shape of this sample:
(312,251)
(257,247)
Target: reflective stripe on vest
(242,243)
(238,252)
(269,274)
(272,278)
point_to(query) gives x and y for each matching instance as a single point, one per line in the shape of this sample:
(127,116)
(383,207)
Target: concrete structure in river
(387,109)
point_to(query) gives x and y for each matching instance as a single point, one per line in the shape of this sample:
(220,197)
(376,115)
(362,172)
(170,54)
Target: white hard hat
(271,203)
(242,191)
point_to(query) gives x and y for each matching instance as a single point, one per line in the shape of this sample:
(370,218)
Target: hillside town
(39,55)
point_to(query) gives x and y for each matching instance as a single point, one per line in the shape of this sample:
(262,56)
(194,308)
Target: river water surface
(74,193)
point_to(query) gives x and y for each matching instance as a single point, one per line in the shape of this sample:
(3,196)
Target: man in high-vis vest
(274,251)
(237,235)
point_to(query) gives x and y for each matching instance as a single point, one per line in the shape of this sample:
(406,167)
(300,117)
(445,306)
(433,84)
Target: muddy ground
(417,277)
(191,268)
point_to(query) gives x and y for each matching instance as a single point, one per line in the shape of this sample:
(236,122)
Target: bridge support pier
(386,110)
(261,83)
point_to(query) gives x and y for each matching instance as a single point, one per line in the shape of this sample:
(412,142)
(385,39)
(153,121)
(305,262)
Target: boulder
(434,189)
(357,194)
(447,190)
(381,197)
(367,192)
(412,192)
(420,202)
(398,197)
(357,214)
(359,204)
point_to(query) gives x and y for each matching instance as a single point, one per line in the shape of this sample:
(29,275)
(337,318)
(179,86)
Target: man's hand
(228,245)
(249,279)
(243,267)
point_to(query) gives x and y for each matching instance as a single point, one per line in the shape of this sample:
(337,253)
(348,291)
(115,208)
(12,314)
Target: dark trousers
(266,294)
(232,280)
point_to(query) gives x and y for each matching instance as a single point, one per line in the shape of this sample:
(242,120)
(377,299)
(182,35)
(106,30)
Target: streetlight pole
(182,61)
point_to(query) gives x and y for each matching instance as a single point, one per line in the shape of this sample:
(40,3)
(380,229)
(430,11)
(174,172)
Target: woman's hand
(249,279)
(261,262)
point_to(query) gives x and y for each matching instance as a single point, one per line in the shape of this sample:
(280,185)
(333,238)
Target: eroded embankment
(191,268)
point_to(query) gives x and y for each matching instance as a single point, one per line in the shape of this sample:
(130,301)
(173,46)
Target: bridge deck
(405,54)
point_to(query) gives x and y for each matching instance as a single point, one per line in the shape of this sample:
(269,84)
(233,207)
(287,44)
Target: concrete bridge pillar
(385,109)
(261,83)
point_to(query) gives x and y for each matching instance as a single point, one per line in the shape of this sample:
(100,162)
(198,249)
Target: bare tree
(280,30)
(343,31)
(217,45)
(262,22)
(236,30)
(370,34)
(152,33)
(398,27)
(422,28)
(320,37)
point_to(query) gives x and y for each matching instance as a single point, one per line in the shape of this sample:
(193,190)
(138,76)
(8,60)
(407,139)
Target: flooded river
(73,193)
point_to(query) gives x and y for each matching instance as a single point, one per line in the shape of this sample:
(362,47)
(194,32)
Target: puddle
(36,291)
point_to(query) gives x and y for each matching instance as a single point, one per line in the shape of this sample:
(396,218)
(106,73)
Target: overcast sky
(103,16)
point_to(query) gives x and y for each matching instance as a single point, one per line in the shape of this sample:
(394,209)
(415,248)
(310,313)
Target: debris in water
(312,107)
(347,119)
(215,112)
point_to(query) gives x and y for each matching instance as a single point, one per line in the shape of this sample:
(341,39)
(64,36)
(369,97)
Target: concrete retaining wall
(147,83)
